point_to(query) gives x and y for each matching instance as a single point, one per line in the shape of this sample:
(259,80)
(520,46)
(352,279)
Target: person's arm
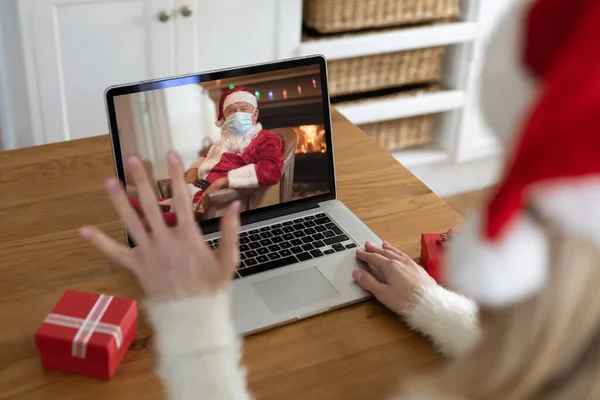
(267,168)
(186,285)
(448,319)
(198,350)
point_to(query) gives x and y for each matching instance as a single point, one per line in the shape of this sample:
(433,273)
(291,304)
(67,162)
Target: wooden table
(47,192)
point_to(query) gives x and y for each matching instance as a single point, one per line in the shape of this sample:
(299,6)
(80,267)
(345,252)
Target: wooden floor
(462,203)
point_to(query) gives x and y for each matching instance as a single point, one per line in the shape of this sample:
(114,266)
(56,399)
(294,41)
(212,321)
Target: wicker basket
(400,133)
(329,16)
(361,74)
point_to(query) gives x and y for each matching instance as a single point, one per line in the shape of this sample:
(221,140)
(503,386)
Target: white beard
(233,144)
(227,144)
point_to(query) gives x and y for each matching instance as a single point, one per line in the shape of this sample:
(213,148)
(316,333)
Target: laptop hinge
(263,216)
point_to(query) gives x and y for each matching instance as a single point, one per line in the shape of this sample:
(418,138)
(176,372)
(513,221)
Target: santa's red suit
(251,161)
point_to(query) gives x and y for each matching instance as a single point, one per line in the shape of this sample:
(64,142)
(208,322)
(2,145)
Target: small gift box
(433,247)
(87,334)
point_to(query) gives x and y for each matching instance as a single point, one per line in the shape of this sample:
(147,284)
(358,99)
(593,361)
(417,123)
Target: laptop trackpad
(297,289)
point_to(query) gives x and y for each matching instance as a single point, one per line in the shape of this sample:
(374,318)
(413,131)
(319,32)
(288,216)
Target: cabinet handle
(163,16)
(186,11)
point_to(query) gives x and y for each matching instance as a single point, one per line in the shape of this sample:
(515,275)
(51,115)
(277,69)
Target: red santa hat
(238,94)
(502,254)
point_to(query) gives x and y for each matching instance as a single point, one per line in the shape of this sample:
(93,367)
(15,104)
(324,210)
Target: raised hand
(405,278)
(169,262)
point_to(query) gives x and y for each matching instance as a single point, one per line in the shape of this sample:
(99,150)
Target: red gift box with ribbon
(87,334)
(433,248)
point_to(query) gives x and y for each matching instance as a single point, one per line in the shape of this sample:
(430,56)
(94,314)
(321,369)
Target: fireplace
(305,118)
(310,172)
(311,139)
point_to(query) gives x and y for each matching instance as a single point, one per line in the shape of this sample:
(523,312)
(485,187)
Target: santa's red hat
(238,94)
(502,254)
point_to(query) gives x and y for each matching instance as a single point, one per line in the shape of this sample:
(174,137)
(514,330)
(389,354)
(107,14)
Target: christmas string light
(231,86)
(314,83)
(270,95)
(299,90)
(218,82)
(257,94)
(284,94)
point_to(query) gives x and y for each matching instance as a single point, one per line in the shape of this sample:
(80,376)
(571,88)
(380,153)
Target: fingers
(146,196)
(130,218)
(368,282)
(113,250)
(376,260)
(181,199)
(371,248)
(387,246)
(199,203)
(228,251)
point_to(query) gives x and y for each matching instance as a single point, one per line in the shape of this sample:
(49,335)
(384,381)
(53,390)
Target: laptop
(297,240)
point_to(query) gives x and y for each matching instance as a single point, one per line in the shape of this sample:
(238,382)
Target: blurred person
(247,156)
(528,261)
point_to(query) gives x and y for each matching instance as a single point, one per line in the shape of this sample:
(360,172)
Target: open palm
(169,262)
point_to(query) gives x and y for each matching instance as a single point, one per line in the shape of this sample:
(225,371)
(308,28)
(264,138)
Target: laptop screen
(258,134)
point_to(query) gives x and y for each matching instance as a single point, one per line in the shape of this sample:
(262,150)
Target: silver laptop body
(291,286)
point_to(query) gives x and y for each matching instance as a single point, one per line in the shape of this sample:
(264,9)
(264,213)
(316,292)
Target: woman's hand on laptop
(405,278)
(169,262)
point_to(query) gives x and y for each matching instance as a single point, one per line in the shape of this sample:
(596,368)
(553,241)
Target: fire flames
(311,139)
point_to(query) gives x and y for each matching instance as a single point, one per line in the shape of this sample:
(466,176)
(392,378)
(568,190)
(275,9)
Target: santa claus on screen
(247,156)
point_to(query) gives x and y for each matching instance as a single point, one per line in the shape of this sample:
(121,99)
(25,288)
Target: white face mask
(239,124)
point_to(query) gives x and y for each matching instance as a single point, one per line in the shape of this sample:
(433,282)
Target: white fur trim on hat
(506,90)
(503,272)
(240,97)
(573,205)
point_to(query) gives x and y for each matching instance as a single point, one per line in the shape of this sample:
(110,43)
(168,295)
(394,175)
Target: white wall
(14,101)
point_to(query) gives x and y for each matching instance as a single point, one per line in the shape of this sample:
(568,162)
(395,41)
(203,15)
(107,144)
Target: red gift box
(433,248)
(87,334)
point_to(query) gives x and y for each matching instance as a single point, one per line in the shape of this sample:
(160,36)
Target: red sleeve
(269,160)
(266,166)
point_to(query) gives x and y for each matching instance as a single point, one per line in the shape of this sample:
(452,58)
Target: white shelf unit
(389,41)
(443,163)
(456,36)
(421,156)
(388,109)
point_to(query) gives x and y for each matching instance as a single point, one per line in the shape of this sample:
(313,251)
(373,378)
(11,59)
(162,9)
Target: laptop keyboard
(287,243)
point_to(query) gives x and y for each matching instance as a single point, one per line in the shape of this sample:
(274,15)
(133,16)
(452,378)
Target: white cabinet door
(74,49)
(226,33)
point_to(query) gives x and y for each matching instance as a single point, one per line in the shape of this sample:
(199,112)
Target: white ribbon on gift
(87,326)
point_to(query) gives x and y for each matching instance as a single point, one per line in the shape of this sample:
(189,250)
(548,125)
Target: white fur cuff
(192,324)
(449,319)
(243,178)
